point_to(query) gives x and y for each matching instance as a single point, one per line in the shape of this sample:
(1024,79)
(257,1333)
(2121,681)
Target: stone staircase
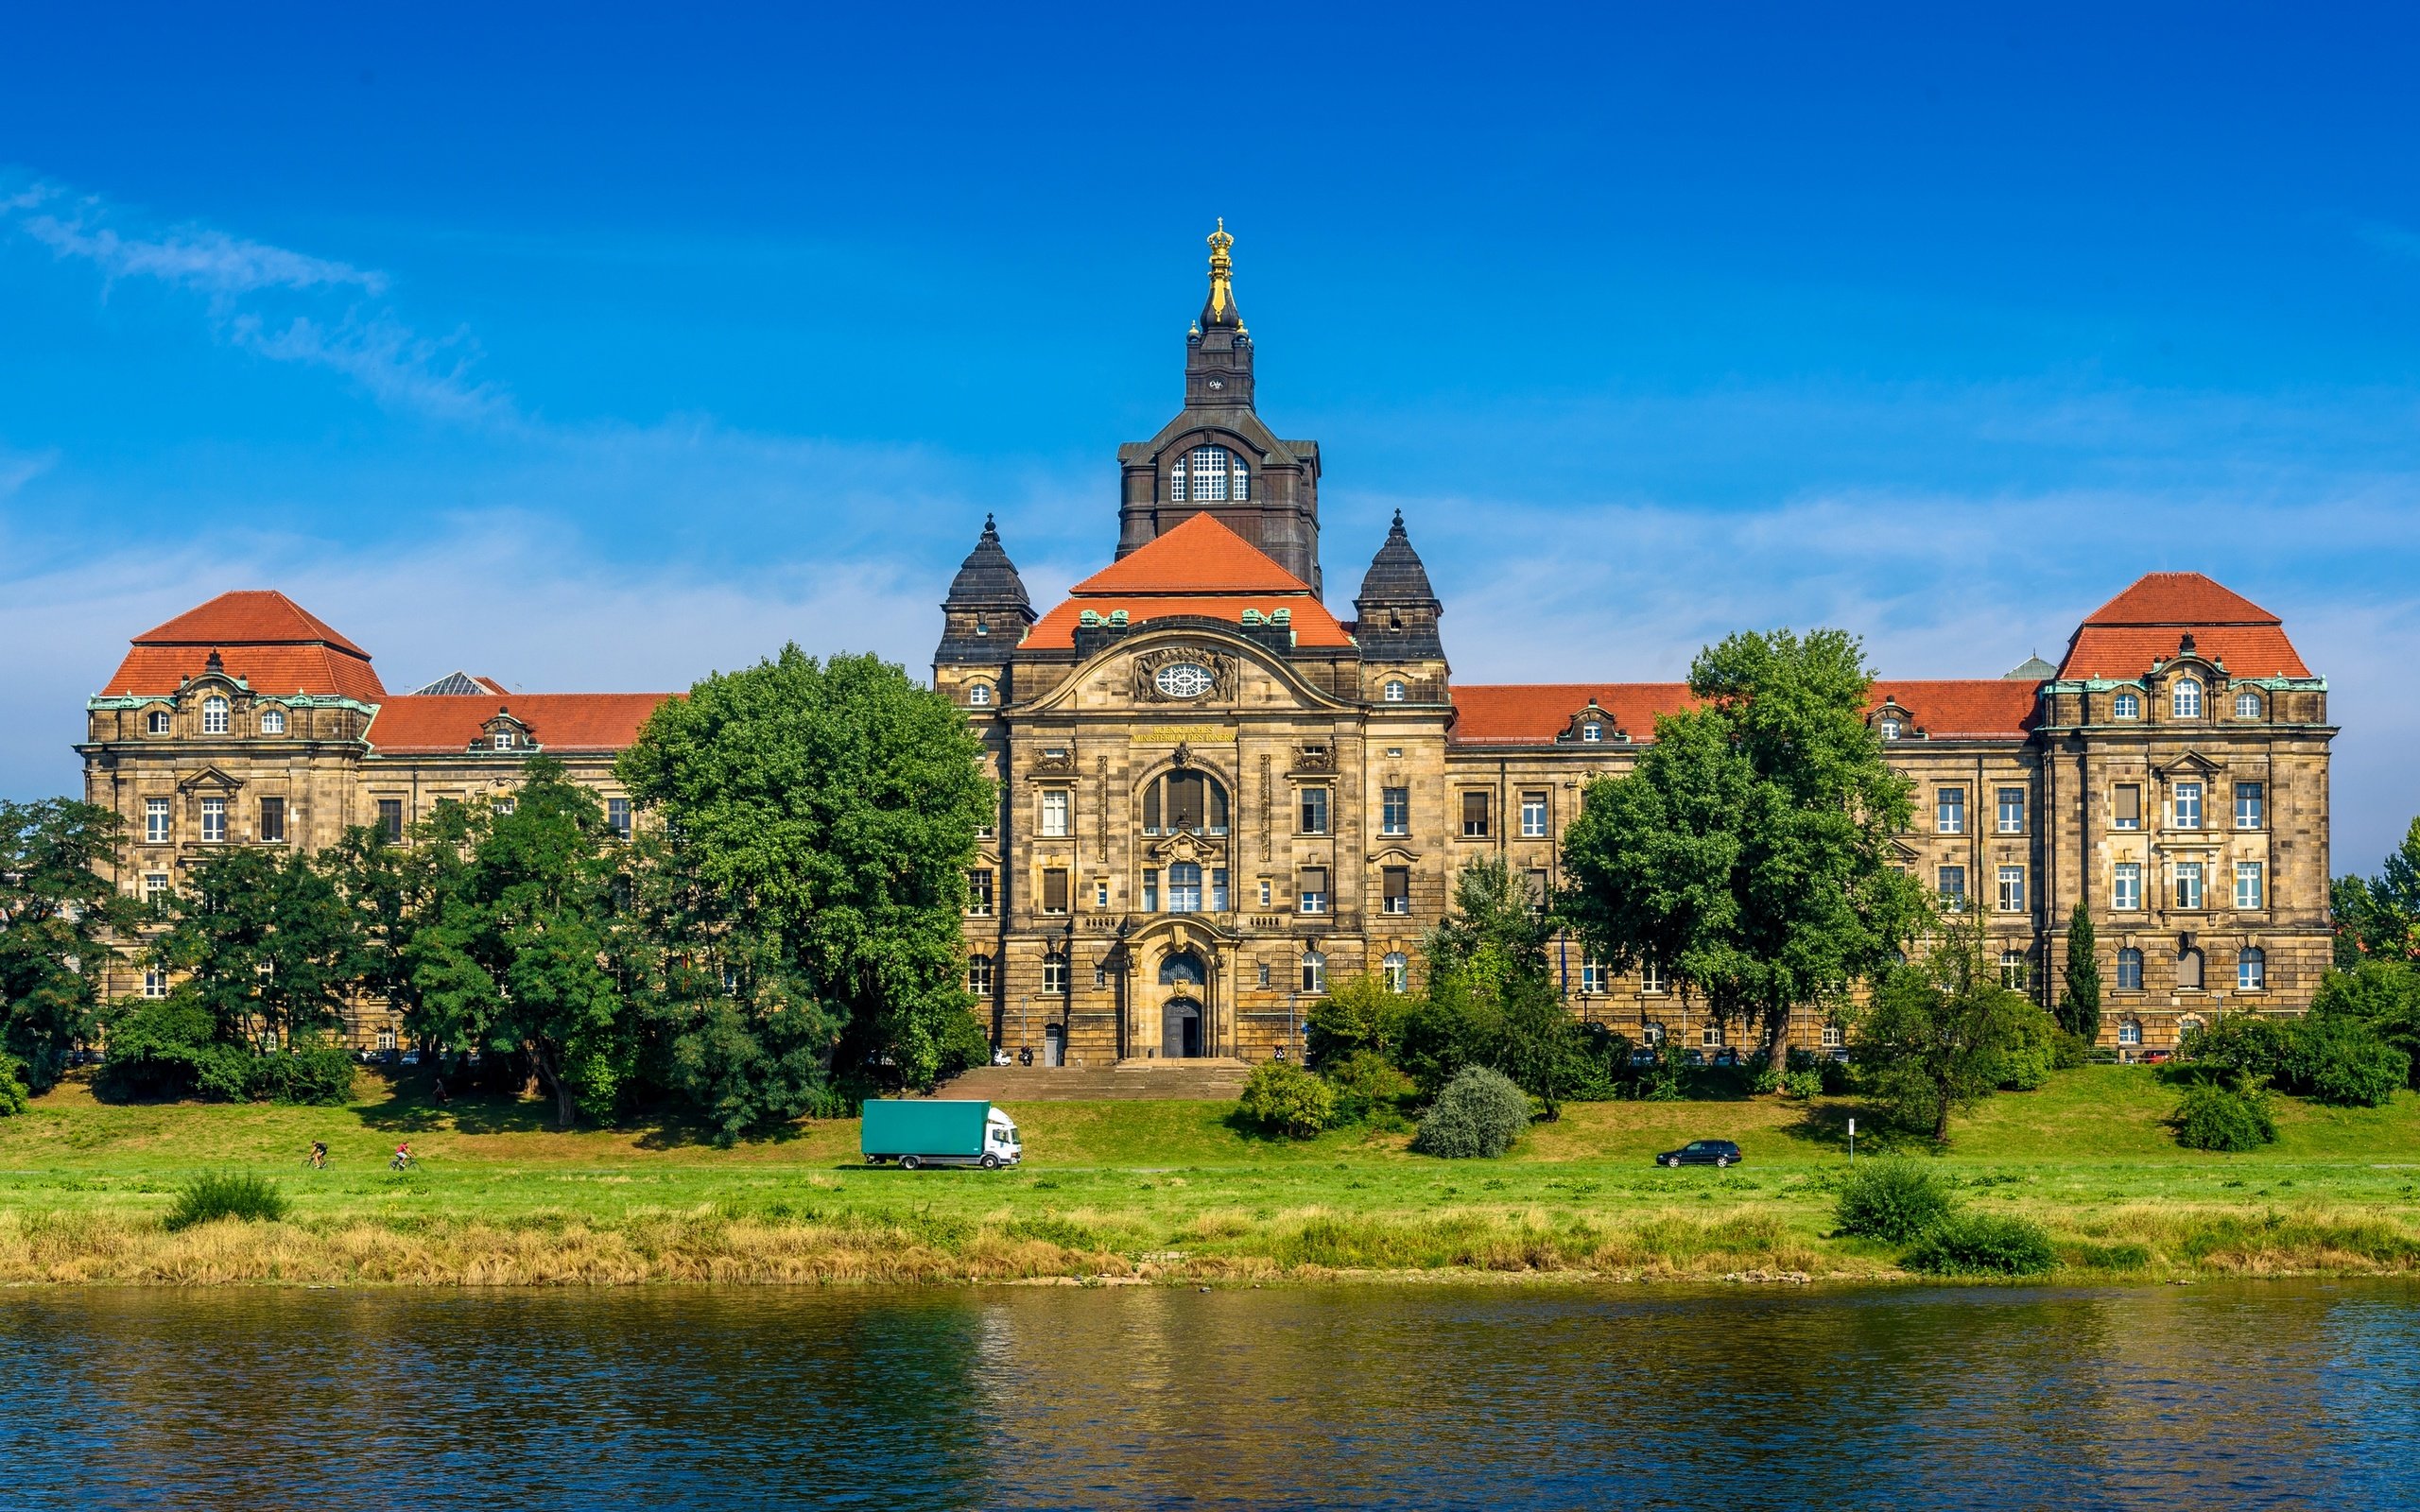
(1205,1081)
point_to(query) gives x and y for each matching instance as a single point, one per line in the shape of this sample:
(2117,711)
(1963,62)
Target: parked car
(1695,1058)
(1726,1056)
(1644,1055)
(1702,1152)
(2157,1058)
(1839,1053)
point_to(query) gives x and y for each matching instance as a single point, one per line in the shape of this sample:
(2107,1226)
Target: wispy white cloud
(274,302)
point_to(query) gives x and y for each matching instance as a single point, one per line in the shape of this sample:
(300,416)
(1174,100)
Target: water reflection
(2290,1394)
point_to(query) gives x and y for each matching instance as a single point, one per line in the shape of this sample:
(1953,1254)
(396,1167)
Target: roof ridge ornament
(1220,310)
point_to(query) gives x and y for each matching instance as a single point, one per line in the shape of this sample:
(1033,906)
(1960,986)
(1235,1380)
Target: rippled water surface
(2285,1395)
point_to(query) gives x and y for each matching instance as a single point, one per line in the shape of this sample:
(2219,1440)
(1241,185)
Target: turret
(985,615)
(1398,610)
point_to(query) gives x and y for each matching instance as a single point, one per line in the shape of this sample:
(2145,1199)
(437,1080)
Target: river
(2286,1394)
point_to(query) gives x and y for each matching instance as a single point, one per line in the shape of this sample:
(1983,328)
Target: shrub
(2068,1051)
(13,1088)
(1980,1243)
(1803,1084)
(2031,1053)
(1892,1199)
(226,1194)
(1287,1100)
(1369,1089)
(2228,1118)
(1478,1115)
(964,1043)
(2338,1059)
(2239,1046)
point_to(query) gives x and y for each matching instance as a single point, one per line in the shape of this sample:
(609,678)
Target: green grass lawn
(1171,1188)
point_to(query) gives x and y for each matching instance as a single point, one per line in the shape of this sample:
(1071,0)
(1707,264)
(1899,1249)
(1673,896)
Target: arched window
(2130,970)
(1890,730)
(1394,691)
(1652,1035)
(2188,1024)
(213,715)
(2184,701)
(979,696)
(2125,706)
(156,722)
(2252,970)
(1209,474)
(1184,802)
(1182,968)
(1395,969)
(2130,1031)
(2013,974)
(1314,971)
(272,721)
(1184,887)
(979,975)
(2247,706)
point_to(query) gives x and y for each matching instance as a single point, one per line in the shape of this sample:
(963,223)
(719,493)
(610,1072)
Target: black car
(1702,1152)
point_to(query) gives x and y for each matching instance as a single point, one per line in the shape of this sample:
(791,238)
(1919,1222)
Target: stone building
(1216,795)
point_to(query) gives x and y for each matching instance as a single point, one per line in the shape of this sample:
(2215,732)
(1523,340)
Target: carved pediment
(1059,759)
(1394,855)
(208,780)
(2191,764)
(1184,847)
(1590,716)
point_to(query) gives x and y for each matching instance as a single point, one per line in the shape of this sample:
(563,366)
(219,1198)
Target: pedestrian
(442,1094)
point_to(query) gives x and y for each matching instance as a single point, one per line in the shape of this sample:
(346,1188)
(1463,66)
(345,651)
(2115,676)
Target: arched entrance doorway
(1182,975)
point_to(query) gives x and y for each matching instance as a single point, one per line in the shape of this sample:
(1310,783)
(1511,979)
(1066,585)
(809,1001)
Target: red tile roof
(2148,621)
(1963,708)
(1200,568)
(1529,714)
(558,721)
(262,636)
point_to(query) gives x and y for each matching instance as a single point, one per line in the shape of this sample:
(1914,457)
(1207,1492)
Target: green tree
(1749,852)
(2378,919)
(397,891)
(1490,996)
(2079,1004)
(265,945)
(60,918)
(818,822)
(2384,995)
(1941,1031)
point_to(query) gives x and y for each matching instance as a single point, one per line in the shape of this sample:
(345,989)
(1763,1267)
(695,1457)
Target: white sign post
(1852,1142)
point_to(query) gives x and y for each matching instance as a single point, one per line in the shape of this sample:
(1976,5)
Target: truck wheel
(991,1163)
(908,1162)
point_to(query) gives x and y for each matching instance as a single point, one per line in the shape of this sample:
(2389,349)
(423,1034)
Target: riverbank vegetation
(1150,1190)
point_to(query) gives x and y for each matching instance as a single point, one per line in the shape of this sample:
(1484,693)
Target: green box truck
(920,1131)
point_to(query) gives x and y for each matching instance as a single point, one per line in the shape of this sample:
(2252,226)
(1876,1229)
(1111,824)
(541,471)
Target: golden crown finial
(1221,308)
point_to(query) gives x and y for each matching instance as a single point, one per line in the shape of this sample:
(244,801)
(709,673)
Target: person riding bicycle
(319,1155)
(402,1156)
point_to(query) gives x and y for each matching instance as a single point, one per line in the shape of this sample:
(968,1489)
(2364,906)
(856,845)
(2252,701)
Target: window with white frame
(2247,706)
(155,888)
(1394,689)
(1101,892)
(1209,474)
(156,722)
(155,821)
(1310,891)
(2130,1031)
(1890,729)
(618,817)
(978,891)
(2188,884)
(1834,1037)
(1394,969)
(1184,887)
(2015,973)
(1054,975)
(2251,969)
(2250,891)
(2126,886)
(501,740)
(2012,893)
(1054,813)
(1711,1037)
(1592,975)
(1652,1035)
(979,695)
(1268,893)
(1950,884)
(386,1038)
(1314,971)
(1592,733)
(2250,807)
(272,721)
(2188,805)
(1533,816)
(1314,810)
(155,982)
(213,821)
(1395,889)
(2126,706)
(1394,810)
(2011,810)
(2185,699)
(213,715)
(2126,806)
(2130,970)
(1650,977)
(1950,811)
(979,975)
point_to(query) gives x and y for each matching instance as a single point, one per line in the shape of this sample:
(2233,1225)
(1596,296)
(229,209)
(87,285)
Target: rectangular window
(618,817)
(1536,881)
(1150,889)
(2012,895)
(979,890)
(1533,816)
(2188,884)
(386,1038)
(213,821)
(1315,811)
(1184,888)
(155,821)
(155,982)
(2249,893)
(2188,805)
(2130,970)
(2126,887)
(272,821)
(501,806)
(1054,890)
(1100,893)
(1054,975)
(1395,888)
(1264,973)
(1650,977)
(1394,810)
(502,740)
(155,888)
(979,975)
(2011,810)
(390,819)
(1475,815)
(2248,805)
(1217,890)
(1310,891)
(1950,811)
(1592,977)
(1100,975)
(2126,811)
(1054,813)
(1950,882)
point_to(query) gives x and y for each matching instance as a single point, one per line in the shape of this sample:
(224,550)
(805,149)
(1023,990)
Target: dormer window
(272,721)
(979,696)
(2185,701)
(1890,730)
(1394,691)
(2247,706)
(1209,474)
(1592,732)
(2125,706)
(213,715)
(156,722)
(501,740)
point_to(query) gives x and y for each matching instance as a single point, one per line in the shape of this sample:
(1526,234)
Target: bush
(1892,1199)
(13,1088)
(2068,1051)
(2239,1046)
(218,1194)
(1983,1245)
(2214,1117)
(964,1044)
(2026,1061)
(2340,1060)
(1369,1089)
(1803,1084)
(1287,1100)
(1478,1115)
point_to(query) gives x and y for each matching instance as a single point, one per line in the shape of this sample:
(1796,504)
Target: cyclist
(403,1157)
(319,1155)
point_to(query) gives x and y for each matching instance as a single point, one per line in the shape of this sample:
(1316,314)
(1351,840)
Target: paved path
(1198,1080)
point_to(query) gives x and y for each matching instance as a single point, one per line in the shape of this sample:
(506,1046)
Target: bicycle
(403,1161)
(318,1159)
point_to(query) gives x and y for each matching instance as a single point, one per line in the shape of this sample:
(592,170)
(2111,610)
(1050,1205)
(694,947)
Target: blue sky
(594,350)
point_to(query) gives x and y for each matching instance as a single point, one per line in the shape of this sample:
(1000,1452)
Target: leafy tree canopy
(59,916)
(2379,917)
(1943,1032)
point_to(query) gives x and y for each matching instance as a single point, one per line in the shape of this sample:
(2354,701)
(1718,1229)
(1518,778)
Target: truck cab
(1000,1139)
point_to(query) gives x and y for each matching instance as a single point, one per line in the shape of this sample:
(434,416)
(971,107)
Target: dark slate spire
(1398,608)
(987,611)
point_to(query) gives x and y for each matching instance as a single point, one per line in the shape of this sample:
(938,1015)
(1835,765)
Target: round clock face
(1216,383)
(1182,679)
